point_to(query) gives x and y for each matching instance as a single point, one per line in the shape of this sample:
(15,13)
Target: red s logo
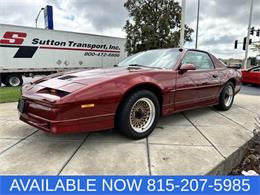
(16,38)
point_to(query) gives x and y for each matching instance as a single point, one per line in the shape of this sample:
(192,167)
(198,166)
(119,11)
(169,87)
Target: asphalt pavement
(250,90)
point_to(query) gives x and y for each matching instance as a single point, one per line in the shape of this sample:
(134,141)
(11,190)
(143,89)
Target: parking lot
(193,142)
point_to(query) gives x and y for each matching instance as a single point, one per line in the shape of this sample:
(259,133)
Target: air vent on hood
(67,77)
(51,91)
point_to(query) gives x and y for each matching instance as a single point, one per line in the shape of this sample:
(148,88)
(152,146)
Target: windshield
(159,58)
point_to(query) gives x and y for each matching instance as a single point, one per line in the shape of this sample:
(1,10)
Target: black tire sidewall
(123,121)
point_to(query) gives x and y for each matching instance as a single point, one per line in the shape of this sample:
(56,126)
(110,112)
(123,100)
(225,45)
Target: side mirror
(186,67)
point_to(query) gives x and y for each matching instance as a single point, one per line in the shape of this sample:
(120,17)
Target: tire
(13,80)
(226,97)
(132,120)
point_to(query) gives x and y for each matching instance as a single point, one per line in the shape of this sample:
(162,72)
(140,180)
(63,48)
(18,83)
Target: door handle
(215,76)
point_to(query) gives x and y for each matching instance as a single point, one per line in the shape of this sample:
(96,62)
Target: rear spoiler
(235,66)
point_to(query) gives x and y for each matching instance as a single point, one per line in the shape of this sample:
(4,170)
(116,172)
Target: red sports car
(251,75)
(130,96)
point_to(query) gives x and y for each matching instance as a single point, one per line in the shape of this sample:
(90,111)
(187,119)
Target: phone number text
(193,185)
(101,54)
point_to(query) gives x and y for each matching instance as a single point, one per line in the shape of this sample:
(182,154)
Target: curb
(226,166)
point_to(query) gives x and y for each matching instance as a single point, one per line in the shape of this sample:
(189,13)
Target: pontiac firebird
(132,95)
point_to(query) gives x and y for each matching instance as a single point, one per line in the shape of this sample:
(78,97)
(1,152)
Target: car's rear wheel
(138,115)
(226,97)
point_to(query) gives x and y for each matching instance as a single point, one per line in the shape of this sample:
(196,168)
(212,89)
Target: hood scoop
(67,77)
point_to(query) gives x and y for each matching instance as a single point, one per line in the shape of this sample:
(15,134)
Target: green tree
(153,24)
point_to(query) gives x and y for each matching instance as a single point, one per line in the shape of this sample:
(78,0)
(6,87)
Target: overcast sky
(221,21)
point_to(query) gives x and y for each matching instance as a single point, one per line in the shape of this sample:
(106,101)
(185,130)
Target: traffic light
(252,31)
(244,44)
(250,41)
(258,33)
(236,42)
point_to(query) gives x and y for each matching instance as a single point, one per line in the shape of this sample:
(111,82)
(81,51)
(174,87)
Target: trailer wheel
(13,80)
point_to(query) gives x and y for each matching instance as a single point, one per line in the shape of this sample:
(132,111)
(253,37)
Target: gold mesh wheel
(142,115)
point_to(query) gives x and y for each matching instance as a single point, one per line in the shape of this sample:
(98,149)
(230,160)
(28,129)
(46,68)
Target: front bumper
(87,124)
(82,124)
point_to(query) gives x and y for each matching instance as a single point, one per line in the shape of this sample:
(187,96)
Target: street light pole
(248,33)
(182,23)
(36,19)
(197,28)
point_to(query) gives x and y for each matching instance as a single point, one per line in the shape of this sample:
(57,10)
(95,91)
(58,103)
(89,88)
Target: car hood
(72,81)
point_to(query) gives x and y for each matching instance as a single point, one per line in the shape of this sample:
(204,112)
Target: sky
(221,21)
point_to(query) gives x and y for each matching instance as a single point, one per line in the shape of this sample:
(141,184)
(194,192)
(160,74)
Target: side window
(199,59)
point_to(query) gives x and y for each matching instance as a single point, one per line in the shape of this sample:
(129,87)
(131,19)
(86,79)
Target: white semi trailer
(26,51)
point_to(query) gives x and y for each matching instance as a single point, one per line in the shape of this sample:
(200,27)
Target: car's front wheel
(226,97)
(138,115)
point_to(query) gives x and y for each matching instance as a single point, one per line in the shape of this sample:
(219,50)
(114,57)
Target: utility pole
(182,23)
(248,33)
(197,28)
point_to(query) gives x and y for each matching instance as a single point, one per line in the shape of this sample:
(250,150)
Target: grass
(9,94)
